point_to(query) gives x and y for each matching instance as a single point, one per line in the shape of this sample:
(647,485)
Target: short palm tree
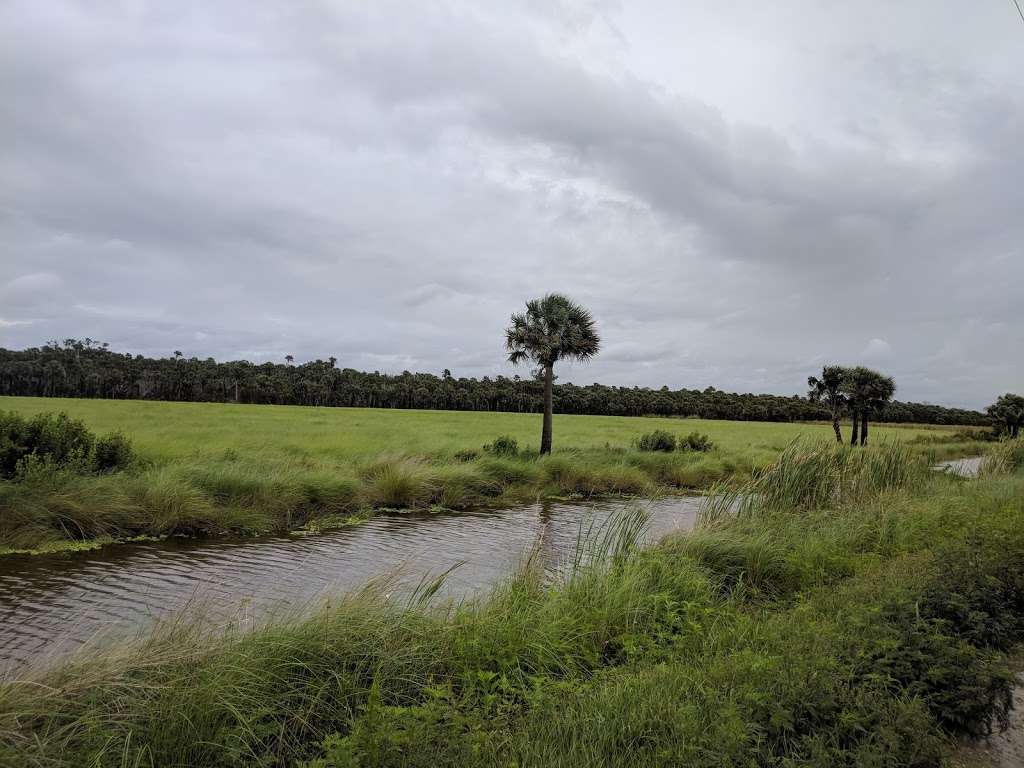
(828,390)
(552,328)
(867,392)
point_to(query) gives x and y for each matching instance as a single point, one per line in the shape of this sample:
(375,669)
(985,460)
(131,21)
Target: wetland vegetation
(837,604)
(857,611)
(203,468)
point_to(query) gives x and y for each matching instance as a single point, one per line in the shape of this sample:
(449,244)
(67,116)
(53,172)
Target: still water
(52,604)
(963,467)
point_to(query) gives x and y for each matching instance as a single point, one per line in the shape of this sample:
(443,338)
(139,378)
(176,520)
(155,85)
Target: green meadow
(210,468)
(177,431)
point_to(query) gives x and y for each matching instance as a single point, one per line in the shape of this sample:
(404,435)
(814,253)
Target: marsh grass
(229,494)
(209,469)
(862,632)
(1002,458)
(809,476)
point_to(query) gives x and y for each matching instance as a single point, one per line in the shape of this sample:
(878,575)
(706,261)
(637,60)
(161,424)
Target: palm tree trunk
(864,428)
(853,434)
(545,435)
(835,426)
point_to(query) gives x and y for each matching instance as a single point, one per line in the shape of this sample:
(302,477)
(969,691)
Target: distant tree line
(87,368)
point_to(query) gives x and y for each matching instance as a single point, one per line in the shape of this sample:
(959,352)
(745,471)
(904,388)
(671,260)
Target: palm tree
(828,389)
(879,395)
(552,328)
(867,392)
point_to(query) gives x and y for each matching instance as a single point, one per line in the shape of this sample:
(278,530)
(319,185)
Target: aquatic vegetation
(1002,457)
(866,630)
(208,469)
(815,475)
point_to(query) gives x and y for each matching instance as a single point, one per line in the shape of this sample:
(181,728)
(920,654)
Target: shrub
(503,446)
(695,441)
(466,455)
(658,440)
(56,441)
(113,451)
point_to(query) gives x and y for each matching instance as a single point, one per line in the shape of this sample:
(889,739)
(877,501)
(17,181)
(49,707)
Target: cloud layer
(738,197)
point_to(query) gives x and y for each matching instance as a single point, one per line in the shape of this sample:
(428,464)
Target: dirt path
(1000,750)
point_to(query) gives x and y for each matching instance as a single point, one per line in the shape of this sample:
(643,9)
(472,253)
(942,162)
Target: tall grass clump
(503,446)
(592,476)
(1002,458)
(817,475)
(55,506)
(400,483)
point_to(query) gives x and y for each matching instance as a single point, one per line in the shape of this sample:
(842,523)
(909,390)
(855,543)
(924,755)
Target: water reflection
(51,604)
(962,467)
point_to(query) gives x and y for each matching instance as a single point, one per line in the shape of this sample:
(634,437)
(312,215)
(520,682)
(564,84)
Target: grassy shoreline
(213,469)
(868,629)
(240,496)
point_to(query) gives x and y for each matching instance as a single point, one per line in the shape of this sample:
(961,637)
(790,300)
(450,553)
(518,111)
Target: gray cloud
(737,201)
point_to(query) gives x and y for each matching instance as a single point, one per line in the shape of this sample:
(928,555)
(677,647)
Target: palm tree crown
(828,388)
(868,390)
(551,329)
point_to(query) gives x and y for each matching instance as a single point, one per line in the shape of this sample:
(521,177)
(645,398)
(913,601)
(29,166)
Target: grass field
(857,613)
(175,431)
(213,468)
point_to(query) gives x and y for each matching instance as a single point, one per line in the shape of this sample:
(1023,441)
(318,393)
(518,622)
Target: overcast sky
(738,191)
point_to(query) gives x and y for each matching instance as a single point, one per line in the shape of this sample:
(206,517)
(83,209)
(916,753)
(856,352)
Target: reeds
(816,475)
(253,495)
(706,650)
(1002,458)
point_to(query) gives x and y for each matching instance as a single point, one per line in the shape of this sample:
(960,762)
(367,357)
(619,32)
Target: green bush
(666,442)
(503,446)
(56,441)
(695,441)
(658,440)
(112,452)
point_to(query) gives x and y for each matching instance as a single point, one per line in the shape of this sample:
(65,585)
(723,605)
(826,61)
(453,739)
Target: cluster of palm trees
(860,392)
